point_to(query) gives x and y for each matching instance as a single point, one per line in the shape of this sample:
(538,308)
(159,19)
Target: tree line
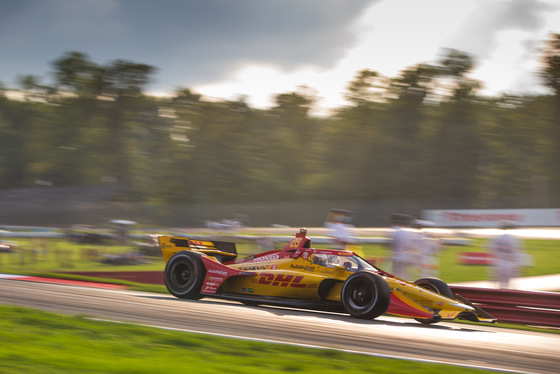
(425,133)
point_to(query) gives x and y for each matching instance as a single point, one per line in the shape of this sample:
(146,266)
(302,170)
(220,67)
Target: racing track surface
(480,345)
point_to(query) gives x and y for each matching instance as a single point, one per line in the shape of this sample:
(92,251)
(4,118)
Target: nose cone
(460,307)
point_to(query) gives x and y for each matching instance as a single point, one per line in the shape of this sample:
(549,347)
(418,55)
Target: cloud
(285,34)
(480,32)
(504,37)
(190,41)
(249,44)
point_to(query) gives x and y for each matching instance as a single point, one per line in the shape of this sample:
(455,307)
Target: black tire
(438,286)
(365,295)
(184,275)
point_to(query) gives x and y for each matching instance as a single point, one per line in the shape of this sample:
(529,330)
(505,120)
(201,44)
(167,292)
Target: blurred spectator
(122,229)
(265,243)
(224,225)
(429,247)
(401,243)
(341,229)
(507,251)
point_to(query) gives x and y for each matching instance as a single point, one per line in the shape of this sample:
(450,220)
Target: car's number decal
(295,243)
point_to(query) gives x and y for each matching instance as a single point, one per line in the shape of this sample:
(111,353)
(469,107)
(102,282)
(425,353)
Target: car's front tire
(365,295)
(437,286)
(184,275)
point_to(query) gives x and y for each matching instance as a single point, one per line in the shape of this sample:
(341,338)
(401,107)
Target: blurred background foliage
(425,133)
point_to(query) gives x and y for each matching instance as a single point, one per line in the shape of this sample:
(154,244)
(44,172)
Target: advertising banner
(493,217)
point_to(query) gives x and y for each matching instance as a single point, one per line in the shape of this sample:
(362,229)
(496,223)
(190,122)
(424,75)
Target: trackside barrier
(523,307)
(485,258)
(475,258)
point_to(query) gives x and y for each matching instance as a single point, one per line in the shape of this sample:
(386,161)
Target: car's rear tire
(184,275)
(438,286)
(365,295)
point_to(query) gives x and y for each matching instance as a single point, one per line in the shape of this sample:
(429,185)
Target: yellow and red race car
(305,277)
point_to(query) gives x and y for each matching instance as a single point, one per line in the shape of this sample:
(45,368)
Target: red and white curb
(68,282)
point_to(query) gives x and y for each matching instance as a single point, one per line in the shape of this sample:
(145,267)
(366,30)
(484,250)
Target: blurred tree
(33,89)
(551,68)
(513,162)
(104,112)
(406,149)
(455,63)
(123,81)
(292,138)
(74,72)
(456,143)
(551,75)
(16,119)
(367,86)
(28,82)
(125,78)
(185,98)
(353,141)
(226,151)
(424,133)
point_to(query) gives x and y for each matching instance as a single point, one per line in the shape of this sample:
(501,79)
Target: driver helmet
(320,259)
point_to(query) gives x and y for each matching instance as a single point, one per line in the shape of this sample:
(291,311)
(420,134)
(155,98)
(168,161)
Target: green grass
(57,255)
(32,341)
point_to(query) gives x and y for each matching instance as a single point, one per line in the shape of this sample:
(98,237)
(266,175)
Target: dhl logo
(281,280)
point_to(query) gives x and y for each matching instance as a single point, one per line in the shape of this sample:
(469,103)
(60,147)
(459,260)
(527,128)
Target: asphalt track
(479,346)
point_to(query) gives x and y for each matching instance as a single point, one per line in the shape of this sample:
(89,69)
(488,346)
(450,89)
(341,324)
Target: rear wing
(223,251)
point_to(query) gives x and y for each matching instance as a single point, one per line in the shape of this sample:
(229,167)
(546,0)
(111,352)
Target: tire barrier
(523,307)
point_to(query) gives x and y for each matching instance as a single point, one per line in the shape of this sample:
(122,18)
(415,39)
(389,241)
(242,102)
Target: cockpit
(348,263)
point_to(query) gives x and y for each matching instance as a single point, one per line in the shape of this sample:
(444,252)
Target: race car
(305,277)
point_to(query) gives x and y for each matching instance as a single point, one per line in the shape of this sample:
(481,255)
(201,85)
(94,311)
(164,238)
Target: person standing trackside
(429,247)
(400,243)
(507,252)
(340,226)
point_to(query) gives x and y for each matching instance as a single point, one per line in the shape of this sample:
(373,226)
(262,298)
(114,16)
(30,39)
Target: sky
(227,49)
